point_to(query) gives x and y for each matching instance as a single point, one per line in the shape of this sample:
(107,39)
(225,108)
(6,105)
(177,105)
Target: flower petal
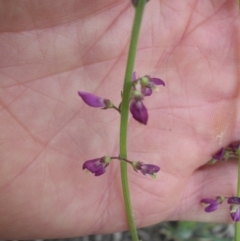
(145,168)
(98,165)
(235,213)
(100,171)
(235,145)
(211,208)
(91,100)
(157,81)
(92,165)
(210,204)
(146,91)
(149,169)
(139,111)
(219,155)
(233,200)
(134,76)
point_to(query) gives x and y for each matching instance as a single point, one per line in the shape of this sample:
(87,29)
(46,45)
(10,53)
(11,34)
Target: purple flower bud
(95,101)
(234,146)
(219,156)
(134,76)
(235,212)
(98,165)
(139,111)
(145,168)
(234,200)
(211,204)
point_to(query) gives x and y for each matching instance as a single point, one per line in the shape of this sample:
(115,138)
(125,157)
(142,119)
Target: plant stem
(124,114)
(237,224)
(115,108)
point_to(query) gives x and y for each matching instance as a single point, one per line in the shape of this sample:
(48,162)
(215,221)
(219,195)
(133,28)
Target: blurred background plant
(169,231)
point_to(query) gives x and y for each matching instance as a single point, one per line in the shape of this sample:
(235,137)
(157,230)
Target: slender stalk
(237,224)
(124,114)
(115,108)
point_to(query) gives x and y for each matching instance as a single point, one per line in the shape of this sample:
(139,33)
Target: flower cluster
(137,108)
(139,112)
(98,166)
(231,151)
(147,85)
(213,204)
(224,154)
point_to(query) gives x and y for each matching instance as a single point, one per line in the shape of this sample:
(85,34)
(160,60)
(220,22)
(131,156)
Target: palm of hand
(47,132)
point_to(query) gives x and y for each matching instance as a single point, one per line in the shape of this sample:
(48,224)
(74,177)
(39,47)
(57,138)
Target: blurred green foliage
(194,231)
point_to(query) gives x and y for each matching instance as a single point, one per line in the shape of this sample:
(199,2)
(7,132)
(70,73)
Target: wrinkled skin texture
(51,49)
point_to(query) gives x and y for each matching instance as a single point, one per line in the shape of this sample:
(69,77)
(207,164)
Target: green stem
(237,224)
(124,114)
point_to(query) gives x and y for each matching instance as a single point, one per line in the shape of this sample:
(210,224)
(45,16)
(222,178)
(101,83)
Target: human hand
(50,50)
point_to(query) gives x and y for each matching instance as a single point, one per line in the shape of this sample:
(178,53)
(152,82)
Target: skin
(51,49)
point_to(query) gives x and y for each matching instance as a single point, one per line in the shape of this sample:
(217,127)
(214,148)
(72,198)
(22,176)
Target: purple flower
(234,149)
(219,156)
(234,200)
(234,208)
(234,146)
(134,76)
(98,165)
(211,204)
(95,101)
(148,84)
(235,212)
(145,168)
(139,111)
